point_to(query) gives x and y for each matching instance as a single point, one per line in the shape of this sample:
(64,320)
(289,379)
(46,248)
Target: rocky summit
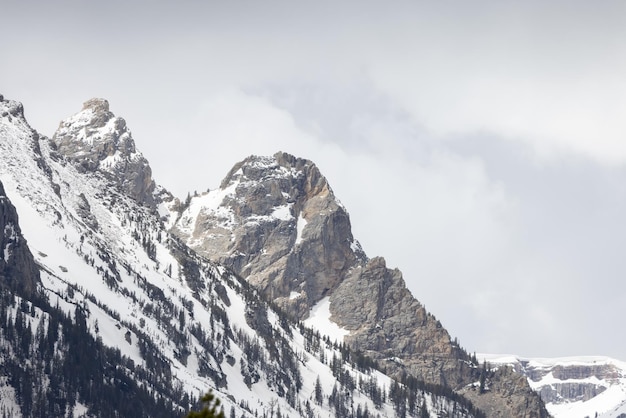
(95,138)
(276,222)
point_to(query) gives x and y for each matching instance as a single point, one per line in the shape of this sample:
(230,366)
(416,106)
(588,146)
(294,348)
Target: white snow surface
(319,319)
(300,225)
(209,202)
(283,213)
(8,399)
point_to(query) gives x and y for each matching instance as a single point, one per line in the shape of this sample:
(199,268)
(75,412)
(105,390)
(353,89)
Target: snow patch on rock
(319,319)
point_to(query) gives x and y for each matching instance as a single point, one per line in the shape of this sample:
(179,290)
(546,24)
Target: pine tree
(319,395)
(483,376)
(210,408)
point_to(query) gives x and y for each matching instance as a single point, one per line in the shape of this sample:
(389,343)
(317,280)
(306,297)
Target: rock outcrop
(17,266)
(276,222)
(387,322)
(591,383)
(95,139)
(506,394)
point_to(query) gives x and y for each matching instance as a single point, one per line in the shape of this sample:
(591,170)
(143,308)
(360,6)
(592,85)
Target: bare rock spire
(95,139)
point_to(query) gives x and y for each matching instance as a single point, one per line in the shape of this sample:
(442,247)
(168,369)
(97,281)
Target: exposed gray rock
(279,225)
(570,392)
(84,211)
(276,222)
(606,372)
(17,266)
(507,395)
(96,140)
(567,380)
(388,323)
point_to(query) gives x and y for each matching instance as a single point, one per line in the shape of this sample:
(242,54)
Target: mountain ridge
(573,386)
(290,222)
(276,221)
(231,290)
(169,322)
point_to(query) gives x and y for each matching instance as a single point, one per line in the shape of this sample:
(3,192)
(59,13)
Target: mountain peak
(268,213)
(280,165)
(11,108)
(93,134)
(97,111)
(97,105)
(94,139)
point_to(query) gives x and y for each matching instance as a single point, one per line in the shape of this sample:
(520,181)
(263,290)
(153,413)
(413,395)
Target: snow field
(612,398)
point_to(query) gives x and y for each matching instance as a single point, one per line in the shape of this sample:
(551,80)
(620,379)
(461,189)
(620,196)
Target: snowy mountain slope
(276,222)
(573,386)
(96,225)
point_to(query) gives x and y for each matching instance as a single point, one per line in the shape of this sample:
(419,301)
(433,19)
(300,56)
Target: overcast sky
(480,147)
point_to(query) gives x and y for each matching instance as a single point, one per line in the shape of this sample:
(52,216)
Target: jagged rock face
(95,139)
(574,391)
(562,383)
(17,267)
(575,382)
(276,222)
(607,372)
(385,320)
(390,325)
(507,395)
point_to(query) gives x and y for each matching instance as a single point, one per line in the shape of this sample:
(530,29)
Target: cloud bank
(479,147)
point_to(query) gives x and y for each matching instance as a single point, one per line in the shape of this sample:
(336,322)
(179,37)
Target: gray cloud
(478,147)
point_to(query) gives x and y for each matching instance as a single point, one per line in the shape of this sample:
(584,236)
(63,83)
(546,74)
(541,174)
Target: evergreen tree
(483,377)
(210,408)
(319,395)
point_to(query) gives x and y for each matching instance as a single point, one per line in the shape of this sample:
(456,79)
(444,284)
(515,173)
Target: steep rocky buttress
(17,267)
(276,222)
(95,139)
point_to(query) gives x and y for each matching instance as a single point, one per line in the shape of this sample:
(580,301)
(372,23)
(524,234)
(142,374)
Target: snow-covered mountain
(104,312)
(117,299)
(573,387)
(275,220)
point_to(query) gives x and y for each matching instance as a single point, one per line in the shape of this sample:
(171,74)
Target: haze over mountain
(106,264)
(488,136)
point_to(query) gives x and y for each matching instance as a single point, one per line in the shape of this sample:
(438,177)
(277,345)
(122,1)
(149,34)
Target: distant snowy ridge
(573,386)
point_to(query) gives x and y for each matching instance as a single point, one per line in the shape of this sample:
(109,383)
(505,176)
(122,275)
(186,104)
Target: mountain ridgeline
(118,299)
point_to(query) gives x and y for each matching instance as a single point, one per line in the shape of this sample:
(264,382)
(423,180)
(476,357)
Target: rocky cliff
(17,267)
(573,386)
(276,222)
(95,138)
